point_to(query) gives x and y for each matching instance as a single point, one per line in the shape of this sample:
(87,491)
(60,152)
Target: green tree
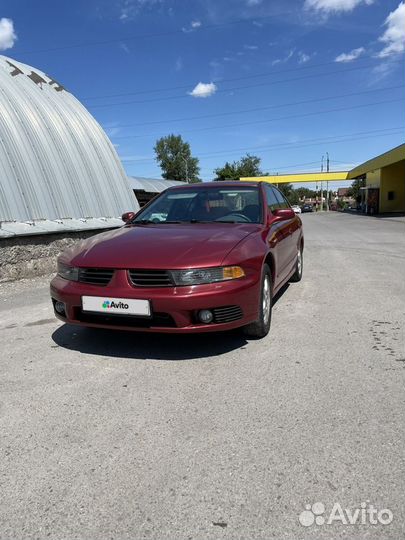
(304,192)
(354,189)
(289,192)
(175,159)
(247,166)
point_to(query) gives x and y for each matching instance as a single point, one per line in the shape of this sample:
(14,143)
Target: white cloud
(303,57)
(394,35)
(179,64)
(124,47)
(7,34)
(382,71)
(350,56)
(192,26)
(250,47)
(129,9)
(284,59)
(111,132)
(335,6)
(203,90)
(253,2)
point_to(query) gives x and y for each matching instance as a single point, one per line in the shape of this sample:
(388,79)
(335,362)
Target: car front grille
(95,276)
(227,314)
(150,278)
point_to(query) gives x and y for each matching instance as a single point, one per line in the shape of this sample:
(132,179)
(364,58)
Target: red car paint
(275,241)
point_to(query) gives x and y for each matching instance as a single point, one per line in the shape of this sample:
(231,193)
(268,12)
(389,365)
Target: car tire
(261,327)
(299,266)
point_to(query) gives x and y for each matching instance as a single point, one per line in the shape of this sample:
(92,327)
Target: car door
(278,236)
(293,231)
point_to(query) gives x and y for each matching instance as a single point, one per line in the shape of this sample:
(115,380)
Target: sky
(287,80)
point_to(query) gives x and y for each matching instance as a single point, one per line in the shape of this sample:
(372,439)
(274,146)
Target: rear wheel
(299,265)
(261,327)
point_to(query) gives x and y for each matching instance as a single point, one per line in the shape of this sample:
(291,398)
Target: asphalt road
(108,435)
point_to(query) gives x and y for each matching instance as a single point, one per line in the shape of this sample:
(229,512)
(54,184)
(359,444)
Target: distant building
(343,199)
(383,178)
(145,189)
(342,192)
(384,182)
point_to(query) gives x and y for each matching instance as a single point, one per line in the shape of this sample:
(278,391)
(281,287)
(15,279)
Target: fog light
(205,316)
(60,308)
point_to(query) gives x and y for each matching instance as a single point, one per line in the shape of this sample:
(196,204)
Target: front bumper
(174,309)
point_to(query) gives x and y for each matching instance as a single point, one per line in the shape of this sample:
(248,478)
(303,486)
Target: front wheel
(261,327)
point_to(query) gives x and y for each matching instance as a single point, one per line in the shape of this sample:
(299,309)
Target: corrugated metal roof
(56,162)
(152,185)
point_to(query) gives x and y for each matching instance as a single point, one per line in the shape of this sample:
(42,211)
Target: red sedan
(198,258)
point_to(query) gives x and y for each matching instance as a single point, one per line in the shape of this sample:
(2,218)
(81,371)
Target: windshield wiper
(142,222)
(151,221)
(213,221)
(225,221)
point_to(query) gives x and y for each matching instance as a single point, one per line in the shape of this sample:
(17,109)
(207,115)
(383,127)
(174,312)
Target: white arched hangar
(58,169)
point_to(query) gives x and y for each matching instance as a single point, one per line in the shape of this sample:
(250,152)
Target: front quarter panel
(249,253)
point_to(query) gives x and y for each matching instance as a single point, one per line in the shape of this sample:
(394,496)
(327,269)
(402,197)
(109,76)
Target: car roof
(200,185)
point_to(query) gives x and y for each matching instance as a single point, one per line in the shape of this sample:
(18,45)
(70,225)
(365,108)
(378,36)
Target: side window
(283,203)
(272,201)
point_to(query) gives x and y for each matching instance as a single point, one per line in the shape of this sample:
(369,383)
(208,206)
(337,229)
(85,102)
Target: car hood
(160,246)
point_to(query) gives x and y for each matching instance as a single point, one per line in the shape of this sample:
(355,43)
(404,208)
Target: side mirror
(284,213)
(127,217)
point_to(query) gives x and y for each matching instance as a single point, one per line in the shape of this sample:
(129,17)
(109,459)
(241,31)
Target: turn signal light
(233,272)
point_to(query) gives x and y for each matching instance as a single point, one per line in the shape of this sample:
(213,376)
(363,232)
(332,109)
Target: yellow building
(384,181)
(383,178)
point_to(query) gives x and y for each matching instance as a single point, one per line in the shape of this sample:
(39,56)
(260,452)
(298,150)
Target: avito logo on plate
(118,305)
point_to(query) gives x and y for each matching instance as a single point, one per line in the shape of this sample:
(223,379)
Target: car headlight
(199,276)
(68,272)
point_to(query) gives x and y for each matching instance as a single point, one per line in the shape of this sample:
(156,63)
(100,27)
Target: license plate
(122,306)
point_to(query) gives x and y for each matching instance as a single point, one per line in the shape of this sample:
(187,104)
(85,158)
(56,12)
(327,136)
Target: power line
(225,90)
(257,109)
(276,166)
(150,35)
(232,79)
(268,121)
(302,144)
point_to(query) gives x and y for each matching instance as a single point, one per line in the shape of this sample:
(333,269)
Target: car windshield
(199,205)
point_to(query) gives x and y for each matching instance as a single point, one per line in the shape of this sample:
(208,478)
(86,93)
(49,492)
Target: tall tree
(304,192)
(354,189)
(247,166)
(175,159)
(289,192)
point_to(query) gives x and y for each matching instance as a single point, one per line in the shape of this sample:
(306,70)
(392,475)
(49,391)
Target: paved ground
(110,435)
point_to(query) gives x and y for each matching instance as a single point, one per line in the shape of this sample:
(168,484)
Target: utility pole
(321,208)
(327,182)
(186,166)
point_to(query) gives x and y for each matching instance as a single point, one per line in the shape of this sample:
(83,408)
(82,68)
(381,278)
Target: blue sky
(286,80)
